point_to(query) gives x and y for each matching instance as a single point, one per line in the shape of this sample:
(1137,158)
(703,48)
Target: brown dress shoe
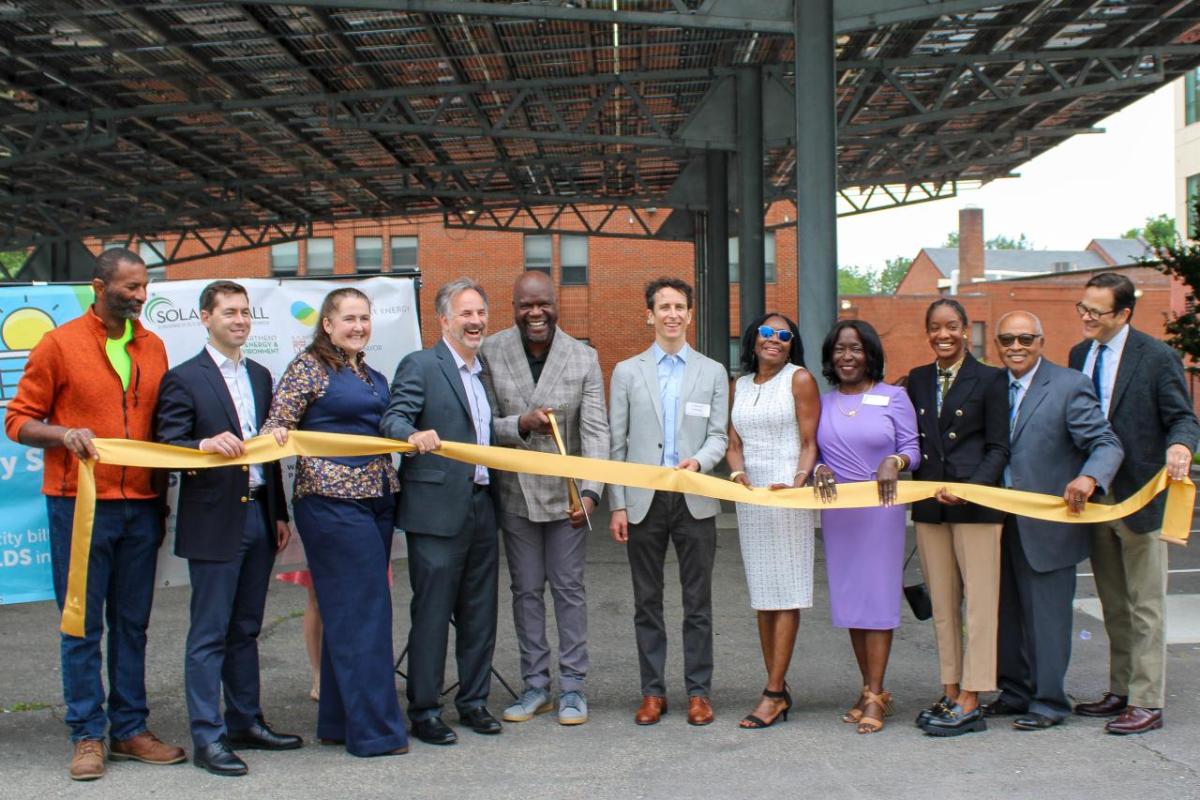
(1108,706)
(87,764)
(699,710)
(651,710)
(1136,720)
(147,748)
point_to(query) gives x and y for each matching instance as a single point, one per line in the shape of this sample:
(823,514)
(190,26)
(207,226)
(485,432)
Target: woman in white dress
(772,445)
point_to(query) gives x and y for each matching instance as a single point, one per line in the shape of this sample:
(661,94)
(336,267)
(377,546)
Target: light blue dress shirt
(1108,365)
(670,384)
(481,410)
(237,381)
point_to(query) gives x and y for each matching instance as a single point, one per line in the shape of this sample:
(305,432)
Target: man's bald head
(1028,316)
(535,309)
(532,280)
(1020,341)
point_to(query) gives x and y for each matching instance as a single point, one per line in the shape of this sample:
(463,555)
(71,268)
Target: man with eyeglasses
(1060,443)
(1143,393)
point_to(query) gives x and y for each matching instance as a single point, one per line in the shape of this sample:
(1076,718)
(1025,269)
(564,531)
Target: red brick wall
(922,277)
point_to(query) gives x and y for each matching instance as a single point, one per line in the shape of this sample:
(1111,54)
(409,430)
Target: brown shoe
(87,764)
(1108,706)
(651,710)
(699,710)
(147,748)
(1136,720)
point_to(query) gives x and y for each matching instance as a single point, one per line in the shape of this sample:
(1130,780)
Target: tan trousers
(1131,580)
(963,560)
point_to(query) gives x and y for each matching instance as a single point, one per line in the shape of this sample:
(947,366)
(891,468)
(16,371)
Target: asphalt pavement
(813,754)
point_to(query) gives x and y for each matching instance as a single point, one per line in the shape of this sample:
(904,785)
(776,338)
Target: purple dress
(864,547)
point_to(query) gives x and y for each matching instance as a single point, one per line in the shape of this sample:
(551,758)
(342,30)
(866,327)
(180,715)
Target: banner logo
(304,313)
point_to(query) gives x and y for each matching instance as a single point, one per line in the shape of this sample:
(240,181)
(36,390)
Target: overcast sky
(1089,187)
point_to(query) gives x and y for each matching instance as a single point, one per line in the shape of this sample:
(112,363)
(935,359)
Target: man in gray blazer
(1059,443)
(535,368)
(669,406)
(447,514)
(1143,392)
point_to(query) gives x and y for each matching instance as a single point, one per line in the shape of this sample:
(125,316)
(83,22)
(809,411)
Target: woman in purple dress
(867,432)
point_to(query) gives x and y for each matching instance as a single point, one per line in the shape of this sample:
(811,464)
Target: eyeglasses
(766,332)
(1026,339)
(1087,312)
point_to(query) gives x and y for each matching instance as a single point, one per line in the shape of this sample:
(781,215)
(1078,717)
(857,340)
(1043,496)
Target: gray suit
(541,544)
(656,518)
(450,522)
(1060,434)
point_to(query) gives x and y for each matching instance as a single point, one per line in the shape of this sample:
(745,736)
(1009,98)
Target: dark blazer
(193,404)
(1059,435)
(968,443)
(427,392)
(1150,411)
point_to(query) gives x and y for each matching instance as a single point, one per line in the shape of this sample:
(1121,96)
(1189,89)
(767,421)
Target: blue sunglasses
(766,332)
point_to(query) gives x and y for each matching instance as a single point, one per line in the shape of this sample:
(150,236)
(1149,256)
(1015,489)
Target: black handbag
(917,595)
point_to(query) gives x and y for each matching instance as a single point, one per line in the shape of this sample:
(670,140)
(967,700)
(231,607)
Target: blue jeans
(120,588)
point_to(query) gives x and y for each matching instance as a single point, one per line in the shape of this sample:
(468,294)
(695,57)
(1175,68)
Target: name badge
(697,410)
(875,399)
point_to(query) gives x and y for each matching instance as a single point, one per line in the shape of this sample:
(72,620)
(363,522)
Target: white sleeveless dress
(777,543)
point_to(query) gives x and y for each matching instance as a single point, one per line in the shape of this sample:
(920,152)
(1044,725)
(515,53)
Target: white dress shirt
(1108,367)
(481,410)
(237,381)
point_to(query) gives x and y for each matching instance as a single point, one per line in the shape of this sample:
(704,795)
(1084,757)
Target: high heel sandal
(855,713)
(752,723)
(868,724)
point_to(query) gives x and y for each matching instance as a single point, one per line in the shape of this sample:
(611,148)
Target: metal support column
(716,277)
(751,254)
(816,175)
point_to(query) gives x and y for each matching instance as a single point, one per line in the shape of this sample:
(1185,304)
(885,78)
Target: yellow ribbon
(1181,495)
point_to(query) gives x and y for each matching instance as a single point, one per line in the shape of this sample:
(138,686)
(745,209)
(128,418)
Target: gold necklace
(854,411)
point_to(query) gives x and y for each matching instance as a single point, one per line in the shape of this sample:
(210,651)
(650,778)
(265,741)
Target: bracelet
(733,476)
(900,464)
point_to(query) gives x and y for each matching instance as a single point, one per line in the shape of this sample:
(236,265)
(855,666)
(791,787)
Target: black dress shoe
(1000,708)
(1109,705)
(433,731)
(935,709)
(219,759)
(1034,721)
(480,721)
(259,736)
(954,722)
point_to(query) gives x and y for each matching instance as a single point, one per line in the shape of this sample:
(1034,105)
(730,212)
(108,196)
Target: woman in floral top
(344,509)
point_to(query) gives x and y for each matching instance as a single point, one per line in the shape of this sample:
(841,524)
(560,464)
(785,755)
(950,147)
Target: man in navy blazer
(229,525)
(447,512)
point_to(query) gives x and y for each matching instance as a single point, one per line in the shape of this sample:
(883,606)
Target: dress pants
(554,552)
(120,590)
(669,520)
(228,598)
(963,559)
(1036,618)
(348,544)
(454,580)
(1131,580)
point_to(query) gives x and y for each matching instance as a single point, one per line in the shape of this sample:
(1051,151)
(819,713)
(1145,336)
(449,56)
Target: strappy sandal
(855,713)
(751,722)
(869,724)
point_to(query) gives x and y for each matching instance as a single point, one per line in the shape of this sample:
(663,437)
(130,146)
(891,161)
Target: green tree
(855,280)
(1182,260)
(1158,232)
(1000,242)
(894,272)
(11,263)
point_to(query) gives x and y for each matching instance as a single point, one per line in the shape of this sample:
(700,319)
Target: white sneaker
(572,708)
(531,702)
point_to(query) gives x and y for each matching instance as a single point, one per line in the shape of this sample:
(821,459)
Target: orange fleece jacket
(70,381)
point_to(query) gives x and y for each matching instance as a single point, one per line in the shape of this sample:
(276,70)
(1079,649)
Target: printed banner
(285,314)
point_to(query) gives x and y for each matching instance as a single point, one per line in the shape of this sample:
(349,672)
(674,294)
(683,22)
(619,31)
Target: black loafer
(480,721)
(1000,708)
(259,736)
(433,731)
(954,722)
(218,759)
(1034,722)
(935,709)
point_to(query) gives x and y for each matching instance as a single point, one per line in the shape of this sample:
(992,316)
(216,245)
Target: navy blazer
(967,443)
(1150,411)
(427,393)
(193,404)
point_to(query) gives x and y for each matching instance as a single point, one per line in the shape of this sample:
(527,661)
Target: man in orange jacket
(98,375)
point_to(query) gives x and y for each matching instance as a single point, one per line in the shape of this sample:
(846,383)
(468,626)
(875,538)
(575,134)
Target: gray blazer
(636,422)
(427,393)
(571,384)
(1150,410)
(1060,434)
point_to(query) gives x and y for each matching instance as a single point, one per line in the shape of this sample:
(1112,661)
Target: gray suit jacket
(1060,434)
(1150,410)
(636,422)
(571,384)
(427,392)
